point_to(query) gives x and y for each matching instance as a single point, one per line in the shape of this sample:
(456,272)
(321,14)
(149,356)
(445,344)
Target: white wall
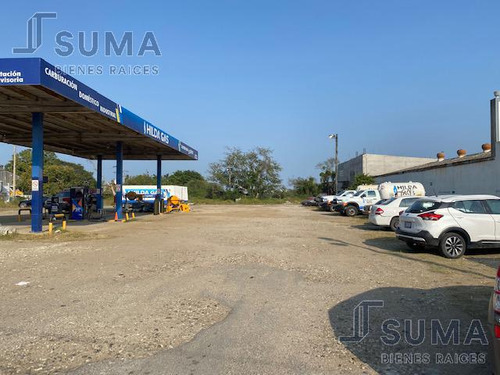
(380,164)
(474,178)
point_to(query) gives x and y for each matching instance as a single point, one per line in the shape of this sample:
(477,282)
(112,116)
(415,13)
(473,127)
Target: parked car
(494,323)
(386,212)
(329,202)
(310,201)
(452,223)
(26,203)
(64,201)
(319,198)
(358,203)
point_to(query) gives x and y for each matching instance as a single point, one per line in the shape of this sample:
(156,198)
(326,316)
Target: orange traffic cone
(116,216)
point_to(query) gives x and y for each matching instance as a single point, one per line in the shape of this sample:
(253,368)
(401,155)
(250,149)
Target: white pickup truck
(359,202)
(327,203)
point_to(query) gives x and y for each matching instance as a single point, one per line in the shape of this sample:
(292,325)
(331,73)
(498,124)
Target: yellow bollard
(126,216)
(64,225)
(50,228)
(133,215)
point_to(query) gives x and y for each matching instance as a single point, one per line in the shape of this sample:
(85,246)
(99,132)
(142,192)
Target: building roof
(472,158)
(78,120)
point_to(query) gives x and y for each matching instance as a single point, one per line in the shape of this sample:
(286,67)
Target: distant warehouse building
(478,173)
(374,165)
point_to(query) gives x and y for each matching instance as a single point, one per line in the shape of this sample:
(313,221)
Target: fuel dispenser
(77,196)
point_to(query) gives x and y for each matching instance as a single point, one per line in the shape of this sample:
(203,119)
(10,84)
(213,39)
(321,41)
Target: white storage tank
(401,189)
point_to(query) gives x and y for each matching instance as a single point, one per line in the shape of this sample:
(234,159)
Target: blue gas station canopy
(78,120)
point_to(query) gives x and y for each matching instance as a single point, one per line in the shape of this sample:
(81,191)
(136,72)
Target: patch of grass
(438,269)
(8,205)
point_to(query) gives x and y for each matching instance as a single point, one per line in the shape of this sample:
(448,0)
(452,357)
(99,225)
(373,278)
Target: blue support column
(37,173)
(158,176)
(119,179)
(99,182)
(158,181)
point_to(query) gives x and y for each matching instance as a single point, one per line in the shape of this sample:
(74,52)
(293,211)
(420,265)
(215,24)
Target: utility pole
(336,163)
(336,136)
(14,157)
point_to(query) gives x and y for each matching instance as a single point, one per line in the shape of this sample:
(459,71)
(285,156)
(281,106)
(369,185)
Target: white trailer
(149,192)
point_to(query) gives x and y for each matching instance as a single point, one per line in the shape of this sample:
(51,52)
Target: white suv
(452,223)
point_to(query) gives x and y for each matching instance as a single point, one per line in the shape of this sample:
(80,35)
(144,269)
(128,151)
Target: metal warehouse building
(465,174)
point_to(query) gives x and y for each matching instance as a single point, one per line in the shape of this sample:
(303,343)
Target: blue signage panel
(76,91)
(132,121)
(35,71)
(17,71)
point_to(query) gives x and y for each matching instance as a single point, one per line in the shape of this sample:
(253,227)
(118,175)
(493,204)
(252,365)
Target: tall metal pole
(336,163)
(37,172)
(119,181)
(158,206)
(14,157)
(99,182)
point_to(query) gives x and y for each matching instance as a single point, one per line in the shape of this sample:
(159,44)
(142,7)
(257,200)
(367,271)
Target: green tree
(197,186)
(327,175)
(255,173)
(305,186)
(61,174)
(362,179)
(140,179)
(182,178)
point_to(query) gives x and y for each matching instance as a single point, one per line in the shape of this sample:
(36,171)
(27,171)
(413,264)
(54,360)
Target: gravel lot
(234,290)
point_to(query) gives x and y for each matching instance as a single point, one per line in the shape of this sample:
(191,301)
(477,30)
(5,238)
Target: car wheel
(415,246)
(452,246)
(351,211)
(23,205)
(394,223)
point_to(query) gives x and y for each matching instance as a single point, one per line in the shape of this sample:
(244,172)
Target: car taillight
(379,211)
(431,216)
(497,332)
(496,301)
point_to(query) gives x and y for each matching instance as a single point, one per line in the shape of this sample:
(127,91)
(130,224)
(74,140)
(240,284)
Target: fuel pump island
(43,108)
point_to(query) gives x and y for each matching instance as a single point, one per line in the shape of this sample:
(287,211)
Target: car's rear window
(423,205)
(407,202)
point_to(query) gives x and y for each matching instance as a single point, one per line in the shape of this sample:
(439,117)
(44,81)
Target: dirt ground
(239,290)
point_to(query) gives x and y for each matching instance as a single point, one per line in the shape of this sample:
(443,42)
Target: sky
(393,77)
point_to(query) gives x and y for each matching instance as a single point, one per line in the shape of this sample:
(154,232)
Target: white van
(401,189)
